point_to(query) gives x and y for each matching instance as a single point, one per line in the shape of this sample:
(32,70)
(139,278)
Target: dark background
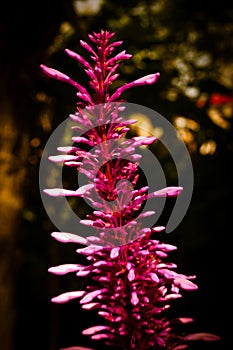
(190,44)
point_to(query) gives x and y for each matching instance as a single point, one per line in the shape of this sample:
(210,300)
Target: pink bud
(148,79)
(65,297)
(65,268)
(134,298)
(93,330)
(131,275)
(202,336)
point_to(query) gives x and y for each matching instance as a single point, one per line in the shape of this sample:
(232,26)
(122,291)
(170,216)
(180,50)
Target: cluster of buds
(134,283)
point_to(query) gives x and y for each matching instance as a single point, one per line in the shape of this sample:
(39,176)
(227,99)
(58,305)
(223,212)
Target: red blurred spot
(219,99)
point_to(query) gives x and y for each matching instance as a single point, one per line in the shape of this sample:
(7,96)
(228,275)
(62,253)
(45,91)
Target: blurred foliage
(180,40)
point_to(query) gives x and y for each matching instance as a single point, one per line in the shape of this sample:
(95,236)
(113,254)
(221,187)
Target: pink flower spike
(65,268)
(65,297)
(130,280)
(66,237)
(95,329)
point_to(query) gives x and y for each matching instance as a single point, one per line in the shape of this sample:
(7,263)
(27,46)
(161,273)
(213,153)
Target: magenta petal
(87,222)
(56,192)
(89,306)
(93,330)
(158,228)
(65,268)
(82,273)
(53,73)
(119,57)
(87,47)
(171,191)
(66,237)
(80,139)
(146,214)
(185,319)
(114,253)
(165,272)
(144,140)
(76,348)
(73,164)
(131,275)
(67,149)
(63,158)
(148,79)
(202,336)
(100,336)
(83,189)
(90,296)
(173,296)
(134,298)
(89,250)
(167,247)
(63,298)
(77,57)
(154,277)
(128,265)
(185,284)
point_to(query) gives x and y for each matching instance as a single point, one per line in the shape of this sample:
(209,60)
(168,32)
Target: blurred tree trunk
(13,154)
(26,30)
